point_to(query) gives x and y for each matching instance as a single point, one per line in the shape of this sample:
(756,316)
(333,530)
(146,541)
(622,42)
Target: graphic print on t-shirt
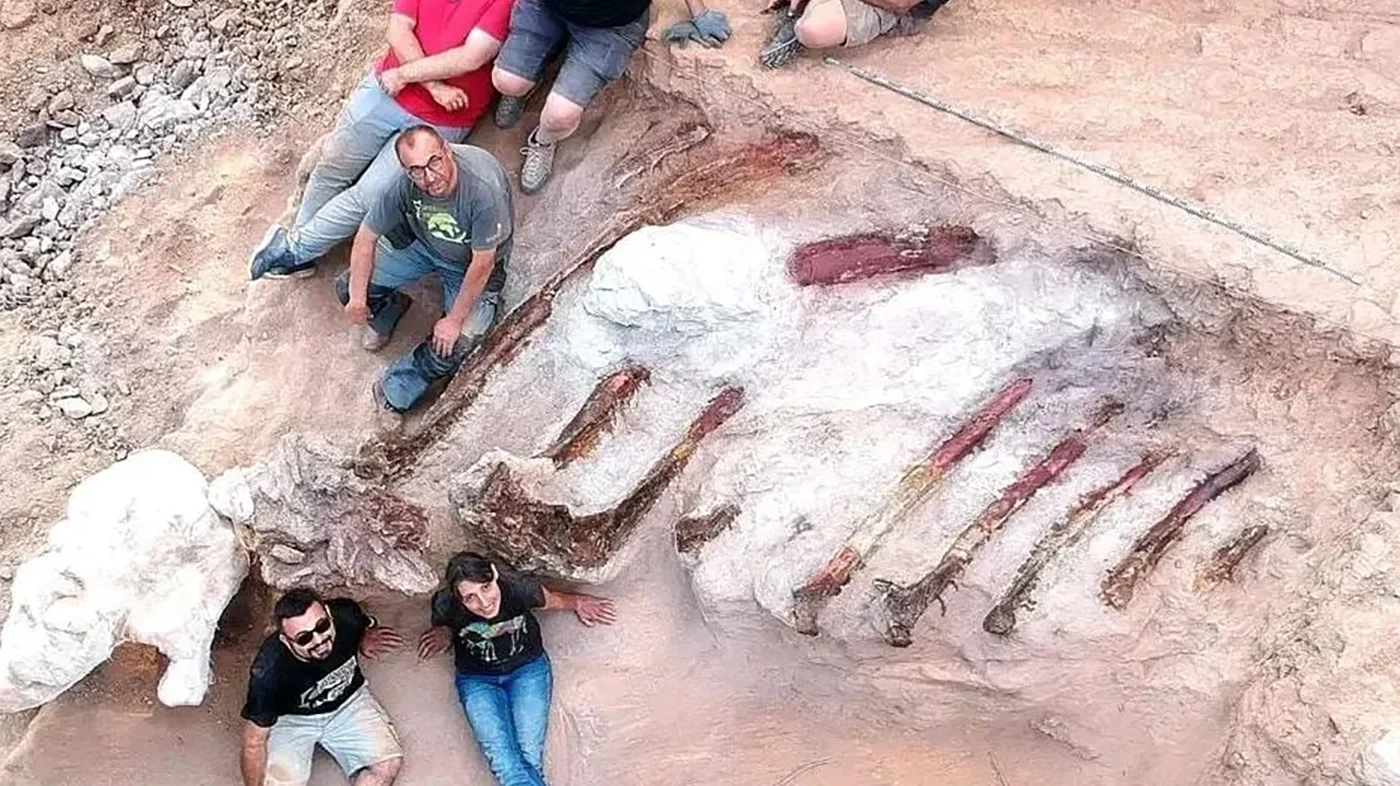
(495,642)
(330,687)
(439,222)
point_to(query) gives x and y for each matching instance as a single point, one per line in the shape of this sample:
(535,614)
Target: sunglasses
(307,636)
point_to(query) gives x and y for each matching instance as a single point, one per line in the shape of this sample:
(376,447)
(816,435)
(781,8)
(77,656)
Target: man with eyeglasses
(305,689)
(437,71)
(450,212)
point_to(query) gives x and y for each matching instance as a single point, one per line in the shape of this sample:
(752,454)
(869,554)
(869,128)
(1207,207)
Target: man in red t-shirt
(461,37)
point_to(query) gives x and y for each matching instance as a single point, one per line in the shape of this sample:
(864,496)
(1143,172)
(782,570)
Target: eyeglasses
(437,165)
(307,636)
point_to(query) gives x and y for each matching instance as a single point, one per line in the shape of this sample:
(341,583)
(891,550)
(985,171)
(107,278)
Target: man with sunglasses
(450,212)
(305,689)
(437,71)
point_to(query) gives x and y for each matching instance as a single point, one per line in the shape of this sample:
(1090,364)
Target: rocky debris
(315,523)
(100,67)
(140,557)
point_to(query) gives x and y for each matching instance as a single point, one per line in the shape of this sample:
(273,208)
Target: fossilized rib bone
(778,152)
(540,536)
(693,532)
(905,605)
(854,257)
(913,488)
(1221,565)
(1121,582)
(1001,620)
(596,415)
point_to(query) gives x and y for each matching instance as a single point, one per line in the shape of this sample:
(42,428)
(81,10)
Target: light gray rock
(120,116)
(61,101)
(184,74)
(125,55)
(19,227)
(75,408)
(10,153)
(61,265)
(140,557)
(100,67)
(145,74)
(122,87)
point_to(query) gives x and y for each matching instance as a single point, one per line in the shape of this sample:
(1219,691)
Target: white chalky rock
(140,557)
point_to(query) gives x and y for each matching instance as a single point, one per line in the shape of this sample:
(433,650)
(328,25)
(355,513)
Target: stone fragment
(125,55)
(184,74)
(10,153)
(140,557)
(15,14)
(61,101)
(75,408)
(100,66)
(19,227)
(145,74)
(122,87)
(120,116)
(181,3)
(349,532)
(32,135)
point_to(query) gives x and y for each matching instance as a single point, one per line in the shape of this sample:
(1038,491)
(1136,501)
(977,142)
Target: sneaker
(539,163)
(273,258)
(372,340)
(509,110)
(388,419)
(782,47)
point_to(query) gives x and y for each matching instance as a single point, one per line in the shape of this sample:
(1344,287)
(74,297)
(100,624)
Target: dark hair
(410,137)
(467,566)
(293,603)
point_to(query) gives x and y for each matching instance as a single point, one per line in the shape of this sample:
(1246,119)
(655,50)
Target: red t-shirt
(442,25)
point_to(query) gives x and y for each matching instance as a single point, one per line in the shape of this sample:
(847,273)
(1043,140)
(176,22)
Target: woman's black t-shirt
(502,643)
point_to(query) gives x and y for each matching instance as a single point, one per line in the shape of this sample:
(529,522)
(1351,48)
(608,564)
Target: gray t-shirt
(477,216)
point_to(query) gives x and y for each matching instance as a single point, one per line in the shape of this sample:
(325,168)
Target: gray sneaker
(539,163)
(782,47)
(509,110)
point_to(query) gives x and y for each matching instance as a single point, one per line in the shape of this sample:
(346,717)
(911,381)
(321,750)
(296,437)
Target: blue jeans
(509,714)
(409,377)
(357,163)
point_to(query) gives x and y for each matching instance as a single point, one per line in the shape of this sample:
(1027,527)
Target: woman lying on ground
(503,674)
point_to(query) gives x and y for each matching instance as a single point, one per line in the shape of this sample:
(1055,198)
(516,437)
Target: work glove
(710,28)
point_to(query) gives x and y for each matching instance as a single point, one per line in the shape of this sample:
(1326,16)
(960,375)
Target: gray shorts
(595,56)
(358,735)
(865,23)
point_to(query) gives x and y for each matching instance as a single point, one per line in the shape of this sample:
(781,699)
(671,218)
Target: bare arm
(590,609)
(475,53)
(696,7)
(253,760)
(402,39)
(361,268)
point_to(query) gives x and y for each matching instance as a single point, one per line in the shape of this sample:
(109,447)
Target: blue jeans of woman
(509,714)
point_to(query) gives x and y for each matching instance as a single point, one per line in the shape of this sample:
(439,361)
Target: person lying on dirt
(437,71)
(599,37)
(503,675)
(448,211)
(827,24)
(305,689)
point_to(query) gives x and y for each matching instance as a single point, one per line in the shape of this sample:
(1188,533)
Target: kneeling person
(306,689)
(828,24)
(450,212)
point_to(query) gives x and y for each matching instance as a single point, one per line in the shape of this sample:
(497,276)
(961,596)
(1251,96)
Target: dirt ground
(1281,114)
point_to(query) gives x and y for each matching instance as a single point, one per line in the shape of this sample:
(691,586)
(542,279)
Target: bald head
(419,138)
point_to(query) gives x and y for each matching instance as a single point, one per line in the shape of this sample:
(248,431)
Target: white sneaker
(372,340)
(538,164)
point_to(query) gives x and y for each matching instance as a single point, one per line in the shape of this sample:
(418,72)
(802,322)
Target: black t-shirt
(502,643)
(599,13)
(280,683)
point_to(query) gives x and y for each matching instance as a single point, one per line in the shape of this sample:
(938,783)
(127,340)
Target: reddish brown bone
(1001,620)
(693,532)
(729,174)
(913,488)
(1221,565)
(854,257)
(595,417)
(539,536)
(905,605)
(1121,582)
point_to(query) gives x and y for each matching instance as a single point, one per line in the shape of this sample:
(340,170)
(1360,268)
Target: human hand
(378,641)
(434,641)
(710,28)
(592,610)
(358,311)
(445,335)
(448,97)
(392,81)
